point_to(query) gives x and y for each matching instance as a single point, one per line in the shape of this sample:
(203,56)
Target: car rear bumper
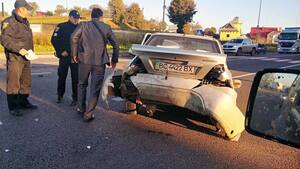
(217,102)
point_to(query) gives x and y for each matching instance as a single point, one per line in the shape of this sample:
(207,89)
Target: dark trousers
(18,80)
(97,75)
(64,64)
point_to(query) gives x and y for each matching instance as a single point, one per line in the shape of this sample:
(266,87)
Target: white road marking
(41,73)
(295,62)
(244,75)
(268,59)
(285,67)
(283,60)
(251,74)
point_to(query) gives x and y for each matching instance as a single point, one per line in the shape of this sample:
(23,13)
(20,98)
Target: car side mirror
(272,107)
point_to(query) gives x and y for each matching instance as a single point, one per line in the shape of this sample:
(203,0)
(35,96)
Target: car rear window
(184,43)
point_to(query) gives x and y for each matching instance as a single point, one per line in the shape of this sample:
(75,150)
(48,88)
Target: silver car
(186,71)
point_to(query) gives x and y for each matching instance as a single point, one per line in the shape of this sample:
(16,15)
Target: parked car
(261,49)
(186,71)
(240,46)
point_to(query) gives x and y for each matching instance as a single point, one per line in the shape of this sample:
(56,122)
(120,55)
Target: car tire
(239,52)
(253,52)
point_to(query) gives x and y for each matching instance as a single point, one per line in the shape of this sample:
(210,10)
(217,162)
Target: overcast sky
(215,13)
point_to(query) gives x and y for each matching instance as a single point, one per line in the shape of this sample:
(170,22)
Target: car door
(244,45)
(248,46)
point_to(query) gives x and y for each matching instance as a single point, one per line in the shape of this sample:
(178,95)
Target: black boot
(59,99)
(24,103)
(13,105)
(74,102)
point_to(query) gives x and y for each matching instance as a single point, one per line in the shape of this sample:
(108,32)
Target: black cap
(22,3)
(96,13)
(75,14)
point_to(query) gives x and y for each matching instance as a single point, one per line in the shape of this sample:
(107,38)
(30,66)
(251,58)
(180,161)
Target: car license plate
(171,67)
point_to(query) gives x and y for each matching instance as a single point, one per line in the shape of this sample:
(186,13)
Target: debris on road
(117,99)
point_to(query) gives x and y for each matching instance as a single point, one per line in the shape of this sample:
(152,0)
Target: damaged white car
(185,71)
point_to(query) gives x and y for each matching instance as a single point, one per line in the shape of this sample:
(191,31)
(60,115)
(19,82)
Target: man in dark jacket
(61,42)
(88,43)
(17,39)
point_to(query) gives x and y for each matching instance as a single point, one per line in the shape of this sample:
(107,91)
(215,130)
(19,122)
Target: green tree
(117,10)
(49,13)
(35,8)
(267,80)
(134,16)
(95,6)
(210,31)
(188,29)
(60,10)
(181,12)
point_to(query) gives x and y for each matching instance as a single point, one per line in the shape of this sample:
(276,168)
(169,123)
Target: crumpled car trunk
(152,77)
(174,62)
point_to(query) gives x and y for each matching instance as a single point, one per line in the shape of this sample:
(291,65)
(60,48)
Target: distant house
(171,28)
(265,35)
(39,13)
(231,30)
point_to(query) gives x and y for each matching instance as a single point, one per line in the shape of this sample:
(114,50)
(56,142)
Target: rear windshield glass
(185,43)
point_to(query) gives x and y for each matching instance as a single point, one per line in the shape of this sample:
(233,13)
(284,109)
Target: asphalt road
(55,136)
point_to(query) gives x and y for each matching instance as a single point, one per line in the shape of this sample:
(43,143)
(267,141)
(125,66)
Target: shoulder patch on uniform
(5,25)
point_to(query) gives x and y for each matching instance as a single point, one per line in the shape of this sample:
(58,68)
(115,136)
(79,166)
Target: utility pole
(2,9)
(67,5)
(259,13)
(164,13)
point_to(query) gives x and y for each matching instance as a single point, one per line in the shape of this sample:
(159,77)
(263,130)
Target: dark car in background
(261,49)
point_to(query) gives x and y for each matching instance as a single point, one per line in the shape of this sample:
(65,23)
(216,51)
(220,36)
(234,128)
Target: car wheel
(146,110)
(239,52)
(253,52)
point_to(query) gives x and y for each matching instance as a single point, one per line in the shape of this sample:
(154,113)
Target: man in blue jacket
(61,42)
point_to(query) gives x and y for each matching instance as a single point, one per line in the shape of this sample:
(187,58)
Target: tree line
(180,13)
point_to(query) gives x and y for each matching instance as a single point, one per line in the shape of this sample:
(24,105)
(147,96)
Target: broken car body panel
(208,100)
(195,79)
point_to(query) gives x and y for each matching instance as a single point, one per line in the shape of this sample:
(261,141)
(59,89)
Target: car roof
(186,35)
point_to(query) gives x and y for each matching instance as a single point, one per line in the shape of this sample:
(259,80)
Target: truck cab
(289,41)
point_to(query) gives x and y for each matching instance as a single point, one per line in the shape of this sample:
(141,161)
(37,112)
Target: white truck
(289,40)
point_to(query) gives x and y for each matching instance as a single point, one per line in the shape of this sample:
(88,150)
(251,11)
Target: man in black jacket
(61,42)
(88,43)
(17,39)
